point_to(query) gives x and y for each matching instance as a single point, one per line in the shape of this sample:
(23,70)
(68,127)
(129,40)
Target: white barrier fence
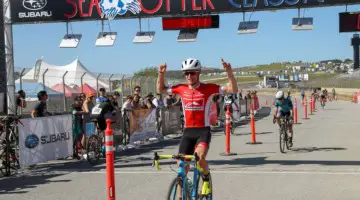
(46,138)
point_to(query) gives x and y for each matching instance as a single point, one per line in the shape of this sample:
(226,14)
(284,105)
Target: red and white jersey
(196,103)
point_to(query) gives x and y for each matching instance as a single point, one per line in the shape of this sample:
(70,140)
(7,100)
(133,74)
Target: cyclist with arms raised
(196,98)
(286,110)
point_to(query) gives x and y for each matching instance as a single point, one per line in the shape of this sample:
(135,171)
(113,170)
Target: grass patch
(270,67)
(239,79)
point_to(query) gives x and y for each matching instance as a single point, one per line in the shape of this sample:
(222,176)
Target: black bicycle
(9,149)
(284,139)
(94,146)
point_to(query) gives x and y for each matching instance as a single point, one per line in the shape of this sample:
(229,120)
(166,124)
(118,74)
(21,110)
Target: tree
(148,72)
(16,75)
(347,60)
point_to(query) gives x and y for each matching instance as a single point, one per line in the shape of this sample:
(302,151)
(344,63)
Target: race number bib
(228,102)
(96,110)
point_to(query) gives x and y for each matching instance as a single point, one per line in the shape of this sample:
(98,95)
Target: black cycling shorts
(192,137)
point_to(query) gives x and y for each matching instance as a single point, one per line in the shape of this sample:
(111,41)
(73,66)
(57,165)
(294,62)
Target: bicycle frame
(182,174)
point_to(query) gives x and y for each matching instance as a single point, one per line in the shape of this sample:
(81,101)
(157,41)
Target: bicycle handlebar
(181,157)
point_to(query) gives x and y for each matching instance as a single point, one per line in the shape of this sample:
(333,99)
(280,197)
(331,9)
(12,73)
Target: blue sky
(274,42)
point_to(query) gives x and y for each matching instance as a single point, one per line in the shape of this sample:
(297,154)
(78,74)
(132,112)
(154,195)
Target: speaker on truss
(106,39)
(248,27)
(305,23)
(187,35)
(144,37)
(70,41)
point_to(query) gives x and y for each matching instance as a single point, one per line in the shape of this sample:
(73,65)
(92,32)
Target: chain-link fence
(63,85)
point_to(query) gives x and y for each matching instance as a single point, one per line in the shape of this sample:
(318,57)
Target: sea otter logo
(111,8)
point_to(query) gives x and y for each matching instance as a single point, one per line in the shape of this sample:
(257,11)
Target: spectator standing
(40,109)
(77,125)
(136,102)
(169,101)
(115,99)
(20,101)
(87,107)
(102,96)
(148,101)
(82,97)
(158,101)
(127,104)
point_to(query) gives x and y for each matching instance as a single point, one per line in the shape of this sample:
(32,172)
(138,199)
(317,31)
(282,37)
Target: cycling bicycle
(95,145)
(189,191)
(322,101)
(284,139)
(9,149)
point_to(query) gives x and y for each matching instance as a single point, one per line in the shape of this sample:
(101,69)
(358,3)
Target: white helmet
(191,64)
(279,94)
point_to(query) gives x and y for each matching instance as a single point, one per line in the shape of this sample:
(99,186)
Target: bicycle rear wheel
(173,192)
(282,139)
(93,150)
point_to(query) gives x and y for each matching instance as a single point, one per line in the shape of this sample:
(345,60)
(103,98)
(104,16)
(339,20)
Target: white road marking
(233,172)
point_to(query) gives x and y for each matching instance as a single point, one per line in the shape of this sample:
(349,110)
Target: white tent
(54,74)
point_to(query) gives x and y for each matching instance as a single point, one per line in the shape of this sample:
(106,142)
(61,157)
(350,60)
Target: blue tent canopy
(31,90)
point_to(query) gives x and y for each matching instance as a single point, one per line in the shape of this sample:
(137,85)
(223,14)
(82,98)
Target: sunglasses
(137,90)
(191,73)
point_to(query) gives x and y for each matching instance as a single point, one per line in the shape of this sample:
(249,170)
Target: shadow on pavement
(13,184)
(261,133)
(311,149)
(149,147)
(262,161)
(261,114)
(334,109)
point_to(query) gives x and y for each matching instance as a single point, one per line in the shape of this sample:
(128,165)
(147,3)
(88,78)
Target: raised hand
(227,66)
(162,68)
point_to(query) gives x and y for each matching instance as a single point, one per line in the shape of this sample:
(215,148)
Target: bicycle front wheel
(174,192)
(282,139)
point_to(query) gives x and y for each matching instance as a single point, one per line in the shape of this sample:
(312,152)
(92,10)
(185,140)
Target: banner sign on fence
(170,120)
(143,125)
(45,138)
(24,11)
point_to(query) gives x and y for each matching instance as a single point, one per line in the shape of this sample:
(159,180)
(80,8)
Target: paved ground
(324,164)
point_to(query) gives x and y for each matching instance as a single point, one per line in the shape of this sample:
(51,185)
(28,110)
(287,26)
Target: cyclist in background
(325,92)
(334,93)
(323,97)
(196,98)
(288,94)
(302,94)
(284,108)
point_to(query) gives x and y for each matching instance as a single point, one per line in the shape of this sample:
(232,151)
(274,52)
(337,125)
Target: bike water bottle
(103,149)
(189,185)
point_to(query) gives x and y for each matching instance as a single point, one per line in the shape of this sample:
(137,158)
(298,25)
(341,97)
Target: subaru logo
(31,141)
(34,4)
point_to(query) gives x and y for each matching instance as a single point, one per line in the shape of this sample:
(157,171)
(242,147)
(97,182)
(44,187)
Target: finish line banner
(32,11)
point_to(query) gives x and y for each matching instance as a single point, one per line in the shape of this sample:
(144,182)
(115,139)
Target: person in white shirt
(158,101)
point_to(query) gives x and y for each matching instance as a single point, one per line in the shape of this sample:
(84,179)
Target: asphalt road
(323,164)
